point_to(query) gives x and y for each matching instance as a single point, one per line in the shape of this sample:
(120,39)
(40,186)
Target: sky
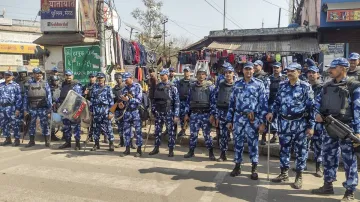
(193,19)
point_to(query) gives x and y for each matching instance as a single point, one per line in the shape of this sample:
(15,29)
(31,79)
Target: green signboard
(82,61)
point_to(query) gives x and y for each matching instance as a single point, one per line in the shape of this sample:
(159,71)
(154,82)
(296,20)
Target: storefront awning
(343,6)
(302,45)
(62,39)
(224,45)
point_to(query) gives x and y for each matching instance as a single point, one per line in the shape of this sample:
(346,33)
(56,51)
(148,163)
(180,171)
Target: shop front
(340,23)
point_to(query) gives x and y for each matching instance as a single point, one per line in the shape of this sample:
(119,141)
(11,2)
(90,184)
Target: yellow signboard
(34,62)
(17,48)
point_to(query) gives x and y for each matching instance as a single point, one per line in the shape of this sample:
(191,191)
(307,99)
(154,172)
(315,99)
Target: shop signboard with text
(82,61)
(59,15)
(343,15)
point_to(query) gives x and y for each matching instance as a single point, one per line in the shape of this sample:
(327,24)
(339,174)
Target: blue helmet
(164,72)
(69,73)
(126,75)
(339,62)
(354,56)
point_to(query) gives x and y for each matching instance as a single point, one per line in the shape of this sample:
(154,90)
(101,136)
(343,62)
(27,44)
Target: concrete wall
(311,12)
(56,56)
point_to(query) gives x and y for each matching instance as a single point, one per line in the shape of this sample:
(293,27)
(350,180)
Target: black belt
(245,113)
(6,105)
(203,111)
(293,117)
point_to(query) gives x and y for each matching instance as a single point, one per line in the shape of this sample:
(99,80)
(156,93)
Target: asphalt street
(40,174)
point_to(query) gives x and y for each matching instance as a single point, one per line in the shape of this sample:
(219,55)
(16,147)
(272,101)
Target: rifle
(26,127)
(337,129)
(115,106)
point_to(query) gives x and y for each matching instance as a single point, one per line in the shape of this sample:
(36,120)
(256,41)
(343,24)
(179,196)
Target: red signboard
(343,15)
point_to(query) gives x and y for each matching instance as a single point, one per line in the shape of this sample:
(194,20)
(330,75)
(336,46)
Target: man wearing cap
(117,90)
(55,94)
(200,106)
(38,103)
(246,117)
(275,79)
(316,139)
(87,94)
(22,79)
(222,96)
(354,69)
(131,98)
(101,101)
(166,109)
(261,75)
(293,106)
(172,77)
(341,89)
(183,88)
(10,107)
(70,84)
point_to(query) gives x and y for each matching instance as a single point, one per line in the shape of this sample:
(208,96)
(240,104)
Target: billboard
(88,17)
(59,15)
(343,15)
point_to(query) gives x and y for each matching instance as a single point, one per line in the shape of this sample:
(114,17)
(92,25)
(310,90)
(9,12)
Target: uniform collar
(280,75)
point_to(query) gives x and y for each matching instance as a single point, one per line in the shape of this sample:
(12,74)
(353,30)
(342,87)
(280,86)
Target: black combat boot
(111,146)
(326,189)
(211,155)
(67,144)
(283,177)
(254,174)
(121,141)
(319,172)
(96,146)
(190,154)
(126,152)
(273,139)
(138,152)
(132,146)
(106,139)
(236,171)
(298,180)
(31,142)
(263,139)
(348,196)
(222,157)
(7,141)
(77,145)
(47,141)
(16,142)
(154,151)
(171,152)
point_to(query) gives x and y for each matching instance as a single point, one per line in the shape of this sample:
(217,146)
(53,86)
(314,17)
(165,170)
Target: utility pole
(224,20)
(262,24)
(164,22)
(279,17)
(102,37)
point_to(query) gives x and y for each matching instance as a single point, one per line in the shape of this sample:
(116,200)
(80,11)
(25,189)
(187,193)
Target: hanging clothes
(137,53)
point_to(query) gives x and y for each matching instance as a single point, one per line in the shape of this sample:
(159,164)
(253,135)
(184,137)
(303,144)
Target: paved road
(40,174)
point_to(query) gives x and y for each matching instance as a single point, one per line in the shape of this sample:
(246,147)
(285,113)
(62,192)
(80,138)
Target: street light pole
(102,37)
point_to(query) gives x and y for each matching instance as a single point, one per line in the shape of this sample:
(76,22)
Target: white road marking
(209,194)
(96,179)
